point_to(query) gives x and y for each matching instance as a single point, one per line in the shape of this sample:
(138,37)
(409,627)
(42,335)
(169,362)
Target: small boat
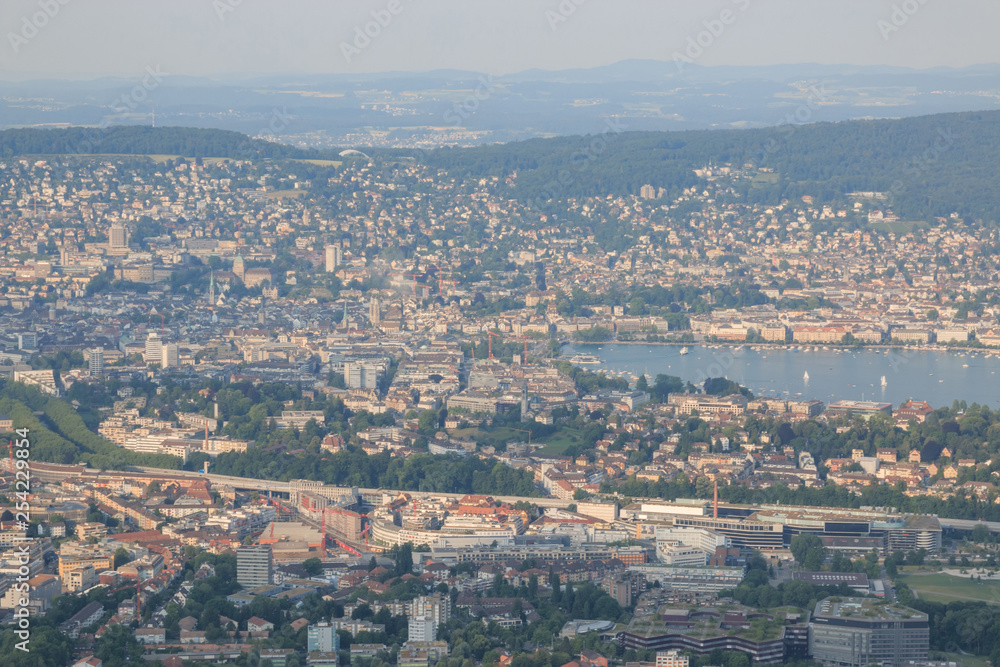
(684,350)
(805,376)
(884,382)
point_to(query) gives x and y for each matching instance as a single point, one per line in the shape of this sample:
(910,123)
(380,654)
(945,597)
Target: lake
(833,374)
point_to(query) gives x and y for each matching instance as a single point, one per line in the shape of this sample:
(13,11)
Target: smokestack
(715,502)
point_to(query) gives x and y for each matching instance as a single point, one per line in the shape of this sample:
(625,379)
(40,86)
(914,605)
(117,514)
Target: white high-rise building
(154,349)
(118,237)
(170,356)
(422,629)
(27,340)
(360,376)
(322,637)
(96,360)
(253,566)
(334,257)
(436,607)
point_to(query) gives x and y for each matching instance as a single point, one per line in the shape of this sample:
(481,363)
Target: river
(937,377)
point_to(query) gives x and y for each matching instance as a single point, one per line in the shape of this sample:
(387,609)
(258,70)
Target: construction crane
(279,505)
(138,596)
(489,337)
(522,336)
(347,547)
(322,531)
(149,319)
(523,431)
(414,276)
(440,273)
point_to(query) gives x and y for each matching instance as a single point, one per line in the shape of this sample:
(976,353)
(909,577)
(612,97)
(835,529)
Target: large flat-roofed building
(856,632)
(863,409)
(743,531)
(774,526)
(299,418)
(686,404)
(691,579)
(857,581)
(702,631)
(599,510)
(629,555)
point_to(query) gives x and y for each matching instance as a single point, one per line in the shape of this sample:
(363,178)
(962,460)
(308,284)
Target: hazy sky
(89,38)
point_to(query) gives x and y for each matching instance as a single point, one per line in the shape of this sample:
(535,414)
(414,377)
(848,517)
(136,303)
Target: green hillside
(58,435)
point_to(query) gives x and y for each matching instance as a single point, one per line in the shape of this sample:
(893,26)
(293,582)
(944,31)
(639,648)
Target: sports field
(947,588)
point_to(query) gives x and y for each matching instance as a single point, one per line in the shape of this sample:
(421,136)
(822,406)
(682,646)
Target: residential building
(422,629)
(322,637)
(254,565)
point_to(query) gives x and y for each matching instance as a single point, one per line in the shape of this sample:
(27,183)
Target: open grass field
(760,180)
(322,163)
(900,227)
(557,443)
(961,659)
(285,194)
(948,588)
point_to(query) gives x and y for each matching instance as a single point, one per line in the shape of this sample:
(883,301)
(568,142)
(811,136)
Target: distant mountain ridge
(411,108)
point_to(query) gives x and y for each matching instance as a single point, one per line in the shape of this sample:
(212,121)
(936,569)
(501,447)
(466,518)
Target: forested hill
(141,140)
(932,165)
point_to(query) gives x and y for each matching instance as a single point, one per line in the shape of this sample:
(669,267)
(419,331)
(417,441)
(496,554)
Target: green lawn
(899,227)
(964,660)
(557,443)
(762,179)
(948,588)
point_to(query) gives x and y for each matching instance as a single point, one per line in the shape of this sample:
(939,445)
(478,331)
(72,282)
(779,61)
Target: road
(969,524)
(285,488)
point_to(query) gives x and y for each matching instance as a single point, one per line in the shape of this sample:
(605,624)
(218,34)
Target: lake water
(936,377)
